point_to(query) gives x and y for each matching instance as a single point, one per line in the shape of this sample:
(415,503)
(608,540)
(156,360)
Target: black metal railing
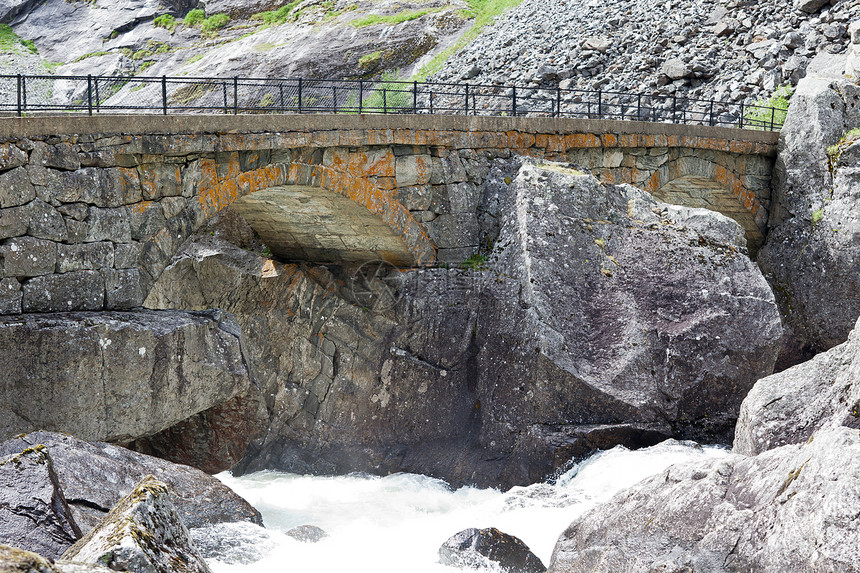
(30,94)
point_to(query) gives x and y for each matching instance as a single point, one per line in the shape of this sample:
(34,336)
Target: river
(397,523)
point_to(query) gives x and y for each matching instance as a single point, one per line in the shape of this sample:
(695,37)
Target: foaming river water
(397,523)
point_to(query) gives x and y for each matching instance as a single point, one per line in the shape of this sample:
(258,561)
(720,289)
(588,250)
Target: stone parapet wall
(89,219)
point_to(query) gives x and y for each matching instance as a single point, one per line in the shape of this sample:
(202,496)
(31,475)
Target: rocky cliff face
(268,38)
(569,341)
(811,255)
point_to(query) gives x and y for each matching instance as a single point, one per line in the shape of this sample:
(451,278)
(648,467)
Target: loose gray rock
(143,532)
(308,533)
(792,406)
(34,514)
(476,548)
(95,476)
(792,508)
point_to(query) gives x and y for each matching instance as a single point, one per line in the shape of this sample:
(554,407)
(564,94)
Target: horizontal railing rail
(31,94)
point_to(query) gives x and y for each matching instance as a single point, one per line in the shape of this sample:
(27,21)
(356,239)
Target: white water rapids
(397,523)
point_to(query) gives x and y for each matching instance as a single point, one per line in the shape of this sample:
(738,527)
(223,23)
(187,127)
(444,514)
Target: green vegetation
(475,262)
(11,43)
(90,55)
(194,18)
(145,66)
(370,61)
(193,59)
(165,21)
(388,95)
(760,116)
(393,19)
(483,12)
(850,137)
(817,215)
(277,17)
(212,24)
(141,54)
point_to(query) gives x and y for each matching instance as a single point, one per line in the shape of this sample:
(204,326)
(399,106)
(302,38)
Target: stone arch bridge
(92,209)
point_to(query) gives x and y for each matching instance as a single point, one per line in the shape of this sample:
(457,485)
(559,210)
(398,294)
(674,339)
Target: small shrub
(194,18)
(277,17)
(214,23)
(165,21)
(475,262)
(760,115)
(817,215)
(141,54)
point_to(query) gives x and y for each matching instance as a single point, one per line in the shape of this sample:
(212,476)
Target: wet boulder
(790,407)
(143,532)
(95,476)
(34,515)
(792,508)
(476,548)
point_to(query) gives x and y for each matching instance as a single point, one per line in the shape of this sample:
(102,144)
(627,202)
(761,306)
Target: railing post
(711,119)
(467,99)
(281,91)
(300,95)
(98,99)
(674,107)
(431,103)
(599,104)
(741,119)
(24,92)
(235,95)
(514,102)
(414,97)
(334,97)
(639,107)
(360,96)
(164,95)
(89,94)
(772,116)
(19,95)
(384,100)
(558,101)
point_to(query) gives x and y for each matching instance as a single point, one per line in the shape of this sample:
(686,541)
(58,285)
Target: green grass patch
(145,66)
(193,59)
(370,61)
(165,21)
(483,12)
(194,18)
(759,117)
(213,23)
(475,262)
(141,54)
(91,55)
(373,19)
(52,66)
(10,42)
(276,17)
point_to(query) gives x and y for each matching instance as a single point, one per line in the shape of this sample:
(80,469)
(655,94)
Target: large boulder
(793,405)
(122,376)
(95,476)
(789,509)
(34,514)
(602,317)
(491,548)
(812,252)
(142,533)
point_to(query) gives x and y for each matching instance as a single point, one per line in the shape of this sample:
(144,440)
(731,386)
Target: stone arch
(698,182)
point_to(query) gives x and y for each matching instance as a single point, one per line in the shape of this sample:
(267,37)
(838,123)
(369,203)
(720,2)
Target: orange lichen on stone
(609,140)
(370,164)
(581,141)
(142,207)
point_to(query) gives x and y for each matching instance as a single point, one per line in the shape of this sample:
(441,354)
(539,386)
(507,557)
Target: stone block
(415,198)
(11,156)
(413,170)
(612,158)
(125,255)
(109,225)
(454,230)
(164,180)
(27,257)
(15,188)
(14,221)
(76,211)
(10,296)
(78,290)
(650,162)
(463,197)
(172,206)
(46,222)
(76,231)
(86,256)
(146,219)
(122,289)
(59,156)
